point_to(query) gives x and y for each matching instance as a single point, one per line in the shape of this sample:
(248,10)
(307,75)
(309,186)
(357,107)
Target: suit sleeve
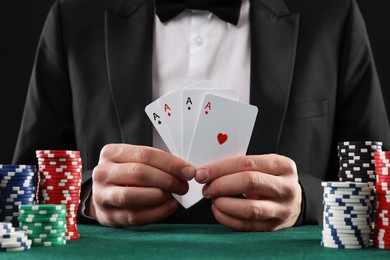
(47,121)
(360,112)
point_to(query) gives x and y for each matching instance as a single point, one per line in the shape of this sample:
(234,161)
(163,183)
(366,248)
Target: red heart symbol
(206,112)
(222,138)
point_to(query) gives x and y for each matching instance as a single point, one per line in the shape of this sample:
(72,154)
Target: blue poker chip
(343,240)
(16,182)
(348,208)
(332,214)
(335,232)
(345,204)
(353,192)
(15,166)
(336,184)
(347,221)
(18,192)
(347,196)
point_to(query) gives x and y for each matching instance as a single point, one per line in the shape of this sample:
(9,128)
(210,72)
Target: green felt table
(162,241)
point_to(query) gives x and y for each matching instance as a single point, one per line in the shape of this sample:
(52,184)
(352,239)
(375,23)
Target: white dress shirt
(197,45)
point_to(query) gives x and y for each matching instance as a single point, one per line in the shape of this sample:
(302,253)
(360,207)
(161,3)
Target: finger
(243,225)
(136,174)
(269,163)
(259,184)
(116,217)
(131,197)
(123,153)
(250,210)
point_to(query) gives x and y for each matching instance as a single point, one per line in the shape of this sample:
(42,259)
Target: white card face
(223,130)
(193,195)
(171,111)
(156,117)
(191,104)
(171,107)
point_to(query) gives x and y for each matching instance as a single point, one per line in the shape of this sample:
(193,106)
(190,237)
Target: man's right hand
(132,185)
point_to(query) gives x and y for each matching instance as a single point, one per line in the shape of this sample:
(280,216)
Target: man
(306,64)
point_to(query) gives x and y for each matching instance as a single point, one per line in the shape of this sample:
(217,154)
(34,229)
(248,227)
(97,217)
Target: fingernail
(205,192)
(202,175)
(188,172)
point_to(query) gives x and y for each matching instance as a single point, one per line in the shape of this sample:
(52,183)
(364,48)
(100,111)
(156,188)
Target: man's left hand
(269,184)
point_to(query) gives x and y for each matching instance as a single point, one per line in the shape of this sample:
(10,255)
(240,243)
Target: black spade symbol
(159,122)
(189,108)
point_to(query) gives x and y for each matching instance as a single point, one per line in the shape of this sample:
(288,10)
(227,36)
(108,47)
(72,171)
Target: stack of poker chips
(17,186)
(60,183)
(11,240)
(44,224)
(357,164)
(382,230)
(346,220)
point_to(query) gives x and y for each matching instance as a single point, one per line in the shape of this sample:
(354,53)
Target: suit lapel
(129,41)
(274,34)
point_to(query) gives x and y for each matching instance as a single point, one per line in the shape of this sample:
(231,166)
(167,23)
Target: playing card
(155,115)
(223,130)
(191,104)
(171,107)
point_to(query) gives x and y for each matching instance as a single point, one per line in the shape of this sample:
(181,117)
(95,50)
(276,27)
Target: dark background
(21,24)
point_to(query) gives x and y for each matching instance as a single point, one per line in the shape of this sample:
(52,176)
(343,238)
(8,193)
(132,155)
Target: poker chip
(17,186)
(11,240)
(382,229)
(60,183)
(44,224)
(358,164)
(346,217)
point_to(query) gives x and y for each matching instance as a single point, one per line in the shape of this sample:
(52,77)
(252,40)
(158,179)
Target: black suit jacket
(312,77)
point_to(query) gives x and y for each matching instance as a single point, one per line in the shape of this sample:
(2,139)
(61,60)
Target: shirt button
(198,41)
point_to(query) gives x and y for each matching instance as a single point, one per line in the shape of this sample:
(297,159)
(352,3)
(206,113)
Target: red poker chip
(72,237)
(383,173)
(68,189)
(53,169)
(59,159)
(383,241)
(60,174)
(382,203)
(60,182)
(60,177)
(382,161)
(381,167)
(381,223)
(378,245)
(57,152)
(383,216)
(383,199)
(72,232)
(60,165)
(57,201)
(59,196)
(71,221)
(382,232)
(72,228)
(59,156)
(382,170)
(60,185)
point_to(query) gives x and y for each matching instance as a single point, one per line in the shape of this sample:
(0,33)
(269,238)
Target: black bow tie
(227,10)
